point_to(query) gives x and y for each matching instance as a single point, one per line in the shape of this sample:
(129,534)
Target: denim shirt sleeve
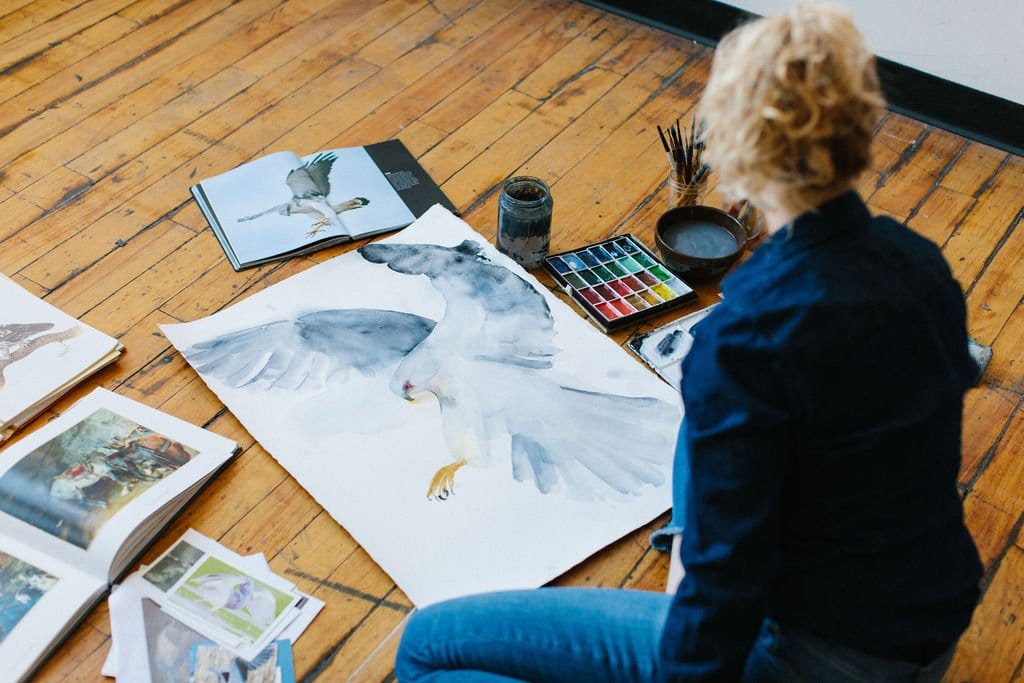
(737,433)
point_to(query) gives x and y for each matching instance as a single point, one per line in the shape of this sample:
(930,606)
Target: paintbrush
(685,152)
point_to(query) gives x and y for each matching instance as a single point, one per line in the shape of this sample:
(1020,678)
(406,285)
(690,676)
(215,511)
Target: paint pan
(618,282)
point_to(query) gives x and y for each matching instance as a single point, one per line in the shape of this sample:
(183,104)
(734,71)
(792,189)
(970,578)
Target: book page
(354,177)
(42,351)
(80,487)
(258,212)
(280,203)
(40,600)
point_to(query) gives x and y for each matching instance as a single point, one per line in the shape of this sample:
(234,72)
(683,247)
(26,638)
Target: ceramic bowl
(699,242)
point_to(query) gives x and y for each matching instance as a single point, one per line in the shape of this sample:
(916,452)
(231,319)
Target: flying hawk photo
(310,185)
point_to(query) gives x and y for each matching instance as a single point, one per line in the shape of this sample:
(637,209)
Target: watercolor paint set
(618,282)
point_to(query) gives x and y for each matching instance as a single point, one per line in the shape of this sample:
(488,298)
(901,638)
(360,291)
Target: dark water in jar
(705,240)
(524,220)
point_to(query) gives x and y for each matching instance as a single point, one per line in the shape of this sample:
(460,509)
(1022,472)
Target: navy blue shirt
(823,407)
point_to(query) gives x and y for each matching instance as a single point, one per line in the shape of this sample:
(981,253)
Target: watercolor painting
(427,369)
(73,484)
(21,587)
(231,599)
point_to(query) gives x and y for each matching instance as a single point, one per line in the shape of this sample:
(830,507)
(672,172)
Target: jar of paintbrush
(688,174)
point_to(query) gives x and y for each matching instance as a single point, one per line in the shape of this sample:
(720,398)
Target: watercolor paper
(469,429)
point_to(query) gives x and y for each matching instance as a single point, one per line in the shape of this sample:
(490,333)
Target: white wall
(977,43)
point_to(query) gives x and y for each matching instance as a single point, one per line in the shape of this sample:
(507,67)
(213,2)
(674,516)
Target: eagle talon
(443,484)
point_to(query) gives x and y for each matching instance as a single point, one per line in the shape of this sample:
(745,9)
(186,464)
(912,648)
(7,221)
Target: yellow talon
(443,483)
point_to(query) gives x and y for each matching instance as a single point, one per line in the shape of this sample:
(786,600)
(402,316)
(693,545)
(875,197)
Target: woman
(816,467)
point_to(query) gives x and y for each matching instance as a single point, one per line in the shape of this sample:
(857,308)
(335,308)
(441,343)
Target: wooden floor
(110,109)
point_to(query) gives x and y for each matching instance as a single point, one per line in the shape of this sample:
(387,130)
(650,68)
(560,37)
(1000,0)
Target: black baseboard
(962,110)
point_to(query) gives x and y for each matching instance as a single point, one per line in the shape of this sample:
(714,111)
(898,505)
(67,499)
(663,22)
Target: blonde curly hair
(792,101)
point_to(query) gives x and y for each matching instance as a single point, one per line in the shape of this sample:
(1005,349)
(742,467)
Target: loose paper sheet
(469,429)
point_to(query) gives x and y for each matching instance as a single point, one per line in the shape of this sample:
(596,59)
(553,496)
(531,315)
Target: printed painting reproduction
(71,485)
(470,430)
(43,353)
(21,586)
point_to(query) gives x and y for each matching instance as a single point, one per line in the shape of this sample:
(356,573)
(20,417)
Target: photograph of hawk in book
(430,376)
(310,185)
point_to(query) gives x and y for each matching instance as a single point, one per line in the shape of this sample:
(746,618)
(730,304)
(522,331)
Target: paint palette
(618,281)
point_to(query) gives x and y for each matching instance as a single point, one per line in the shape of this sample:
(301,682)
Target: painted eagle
(487,362)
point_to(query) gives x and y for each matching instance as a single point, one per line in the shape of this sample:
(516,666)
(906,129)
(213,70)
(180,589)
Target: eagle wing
(312,179)
(310,348)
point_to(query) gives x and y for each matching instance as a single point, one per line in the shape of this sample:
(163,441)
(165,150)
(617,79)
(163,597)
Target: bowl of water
(699,242)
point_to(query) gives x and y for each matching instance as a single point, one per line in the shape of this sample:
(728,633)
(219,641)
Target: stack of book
(202,612)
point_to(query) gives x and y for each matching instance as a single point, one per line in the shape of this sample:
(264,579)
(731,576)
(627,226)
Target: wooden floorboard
(110,109)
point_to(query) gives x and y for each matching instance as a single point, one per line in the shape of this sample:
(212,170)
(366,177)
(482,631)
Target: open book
(282,205)
(43,353)
(80,499)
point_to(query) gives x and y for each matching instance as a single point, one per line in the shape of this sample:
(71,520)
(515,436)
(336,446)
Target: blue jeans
(556,635)
(592,635)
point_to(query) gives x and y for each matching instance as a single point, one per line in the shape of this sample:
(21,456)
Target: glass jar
(524,220)
(681,193)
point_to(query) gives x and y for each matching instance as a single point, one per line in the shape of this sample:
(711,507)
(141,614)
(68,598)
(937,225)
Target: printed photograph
(214,664)
(173,566)
(230,599)
(169,644)
(75,483)
(21,587)
(279,202)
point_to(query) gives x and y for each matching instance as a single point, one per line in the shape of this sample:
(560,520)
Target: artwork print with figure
(468,429)
(73,484)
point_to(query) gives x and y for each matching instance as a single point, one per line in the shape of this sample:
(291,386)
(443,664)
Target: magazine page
(79,487)
(41,599)
(43,351)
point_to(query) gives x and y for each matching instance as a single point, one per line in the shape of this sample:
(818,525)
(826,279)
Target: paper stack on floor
(201,609)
